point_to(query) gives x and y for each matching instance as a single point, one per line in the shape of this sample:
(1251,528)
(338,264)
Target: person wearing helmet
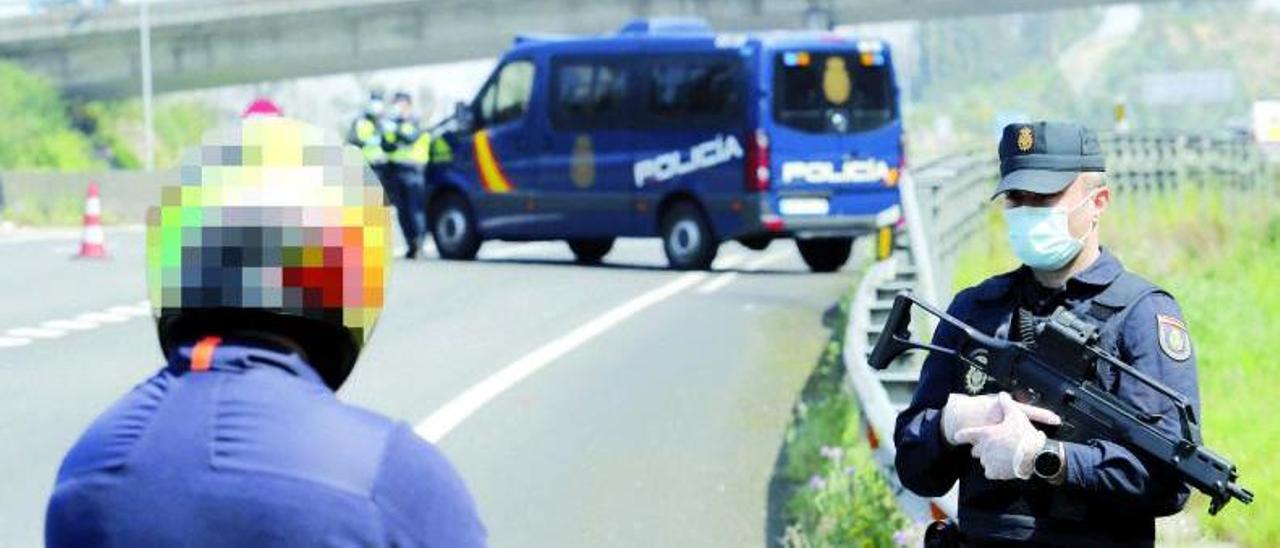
(408,149)
(267,260)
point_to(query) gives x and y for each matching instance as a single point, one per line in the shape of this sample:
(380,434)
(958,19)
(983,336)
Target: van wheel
(590,250)
(825,254)
(687,238)
(454,229)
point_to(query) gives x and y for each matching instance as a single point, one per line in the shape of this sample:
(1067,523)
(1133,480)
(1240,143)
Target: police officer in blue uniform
(265,285)
(1018,482)
(408,150)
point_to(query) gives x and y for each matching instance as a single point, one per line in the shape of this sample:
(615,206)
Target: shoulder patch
(1173,336)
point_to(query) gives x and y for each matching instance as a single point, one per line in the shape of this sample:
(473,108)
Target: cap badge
(1025,139)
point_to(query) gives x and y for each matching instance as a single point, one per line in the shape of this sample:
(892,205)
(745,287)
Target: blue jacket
(254,450)
(1109,494)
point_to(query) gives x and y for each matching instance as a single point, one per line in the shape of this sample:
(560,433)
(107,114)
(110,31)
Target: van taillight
(757,176)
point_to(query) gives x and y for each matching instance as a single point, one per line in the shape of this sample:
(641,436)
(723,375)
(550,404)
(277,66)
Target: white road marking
(11,342)
(102,317)
(726,278)
(444,420)
(70,325)
(717,282)
(52,329)
(35,333)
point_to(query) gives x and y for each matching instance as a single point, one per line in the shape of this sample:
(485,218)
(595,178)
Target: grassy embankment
(836,496)
(1217,254)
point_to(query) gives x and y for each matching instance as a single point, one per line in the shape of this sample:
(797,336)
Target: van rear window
(821,92)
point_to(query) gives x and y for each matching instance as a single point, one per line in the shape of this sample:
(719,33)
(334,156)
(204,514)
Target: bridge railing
(945,203)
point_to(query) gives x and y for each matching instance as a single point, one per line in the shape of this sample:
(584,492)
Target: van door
(504,150)
(690,137)
(587,166)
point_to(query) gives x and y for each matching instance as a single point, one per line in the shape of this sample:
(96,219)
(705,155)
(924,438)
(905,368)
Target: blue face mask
(1041,237)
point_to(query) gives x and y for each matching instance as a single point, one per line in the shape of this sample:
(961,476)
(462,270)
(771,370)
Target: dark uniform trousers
(1110,495)
(406,185)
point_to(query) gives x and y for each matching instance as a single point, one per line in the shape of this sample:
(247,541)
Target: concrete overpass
(199,44)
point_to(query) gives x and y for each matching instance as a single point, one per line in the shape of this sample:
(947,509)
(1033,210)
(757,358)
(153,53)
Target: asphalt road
(619,405)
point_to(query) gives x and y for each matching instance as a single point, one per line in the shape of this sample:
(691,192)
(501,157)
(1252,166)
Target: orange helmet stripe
(202,354)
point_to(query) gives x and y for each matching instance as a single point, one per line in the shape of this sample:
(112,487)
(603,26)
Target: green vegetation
(44,132)
(1053,66)
(837,497)
(36,133)
(1217,253)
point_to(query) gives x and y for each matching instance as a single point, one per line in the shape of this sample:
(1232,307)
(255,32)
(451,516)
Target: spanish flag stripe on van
(491,175)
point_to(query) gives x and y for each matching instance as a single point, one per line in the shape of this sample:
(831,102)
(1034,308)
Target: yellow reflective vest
(412,145)
(364,134)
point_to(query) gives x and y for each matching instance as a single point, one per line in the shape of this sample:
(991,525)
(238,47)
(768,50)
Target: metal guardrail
(944,205)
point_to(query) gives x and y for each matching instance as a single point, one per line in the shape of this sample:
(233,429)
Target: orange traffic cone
(93,241)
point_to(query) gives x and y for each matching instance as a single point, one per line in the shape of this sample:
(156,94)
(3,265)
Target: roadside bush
(36,133)
(837,495)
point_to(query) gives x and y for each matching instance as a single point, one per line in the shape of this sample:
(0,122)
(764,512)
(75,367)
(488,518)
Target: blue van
(666,128)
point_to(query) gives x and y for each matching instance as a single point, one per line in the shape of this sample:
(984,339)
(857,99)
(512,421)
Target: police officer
(1018,481)
(408,148)
(266,265)
(366,133)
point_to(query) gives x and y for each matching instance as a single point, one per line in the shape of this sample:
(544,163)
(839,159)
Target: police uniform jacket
(1110,494)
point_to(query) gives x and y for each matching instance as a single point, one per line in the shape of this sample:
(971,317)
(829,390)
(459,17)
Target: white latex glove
(963,412)
(1008,448)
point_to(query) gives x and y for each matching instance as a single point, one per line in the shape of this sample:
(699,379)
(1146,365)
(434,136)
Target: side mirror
(896,336)
(464,116)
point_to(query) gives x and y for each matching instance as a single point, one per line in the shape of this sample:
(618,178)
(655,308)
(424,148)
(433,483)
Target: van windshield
(832,92)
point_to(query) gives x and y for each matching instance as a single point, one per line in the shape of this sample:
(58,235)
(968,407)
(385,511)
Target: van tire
(687,238)
(590,250)
(825,254)
(453,227)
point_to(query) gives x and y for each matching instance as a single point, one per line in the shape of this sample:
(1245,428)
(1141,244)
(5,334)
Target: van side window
(506,98)
(694,91)
(588,94)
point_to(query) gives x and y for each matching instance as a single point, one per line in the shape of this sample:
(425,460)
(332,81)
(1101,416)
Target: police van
(667,129)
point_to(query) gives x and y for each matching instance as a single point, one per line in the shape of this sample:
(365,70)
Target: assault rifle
(1055,369)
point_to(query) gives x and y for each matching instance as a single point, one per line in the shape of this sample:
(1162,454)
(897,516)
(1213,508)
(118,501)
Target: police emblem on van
(669,165)
(851,171)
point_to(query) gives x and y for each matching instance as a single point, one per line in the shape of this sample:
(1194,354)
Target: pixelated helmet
(276,227)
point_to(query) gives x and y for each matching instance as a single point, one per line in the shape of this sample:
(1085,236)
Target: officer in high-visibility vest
(408,148)
(366,133)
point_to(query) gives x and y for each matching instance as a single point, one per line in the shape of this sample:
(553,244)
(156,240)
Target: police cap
(1044,157)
